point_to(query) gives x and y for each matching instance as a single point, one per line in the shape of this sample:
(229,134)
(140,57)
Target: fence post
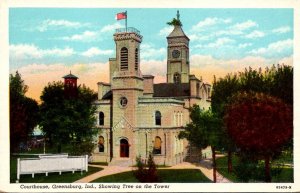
(86,163)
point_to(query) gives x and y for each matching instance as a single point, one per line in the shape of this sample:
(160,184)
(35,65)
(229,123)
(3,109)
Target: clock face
(175,53)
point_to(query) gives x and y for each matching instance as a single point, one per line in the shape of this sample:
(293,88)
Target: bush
(144,175)
(248,169)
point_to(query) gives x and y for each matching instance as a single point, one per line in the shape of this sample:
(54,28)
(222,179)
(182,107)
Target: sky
(46,43)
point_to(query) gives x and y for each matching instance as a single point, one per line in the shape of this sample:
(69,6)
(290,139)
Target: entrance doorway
(124,148)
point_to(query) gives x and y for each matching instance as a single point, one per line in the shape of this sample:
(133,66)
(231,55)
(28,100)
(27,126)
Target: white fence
(51,163)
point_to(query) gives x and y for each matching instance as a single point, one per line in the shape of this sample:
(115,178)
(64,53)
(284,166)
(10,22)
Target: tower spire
(178,15)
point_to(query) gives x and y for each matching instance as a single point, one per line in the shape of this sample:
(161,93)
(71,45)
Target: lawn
(166,175)
(65,177)
(278,174)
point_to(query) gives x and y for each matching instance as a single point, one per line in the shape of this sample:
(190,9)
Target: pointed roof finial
(70,72)
(178,15)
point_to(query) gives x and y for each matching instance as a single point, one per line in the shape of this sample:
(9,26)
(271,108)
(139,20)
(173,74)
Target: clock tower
(178,68)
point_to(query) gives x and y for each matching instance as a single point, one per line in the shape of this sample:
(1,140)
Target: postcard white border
(175,187)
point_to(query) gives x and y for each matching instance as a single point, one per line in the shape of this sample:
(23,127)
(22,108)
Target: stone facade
(137,117)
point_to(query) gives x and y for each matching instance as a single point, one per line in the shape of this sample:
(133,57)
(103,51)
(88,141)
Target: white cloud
(255,34)
(199,37)
(244,25)
(154,67)
(94,51)
(274,48)
(218,43)
(237,29)
(23,51)
(209,21)
(86,36)
(110,28)
(149,51)
(244,45)
(281,30)
(46,24)
(165,31)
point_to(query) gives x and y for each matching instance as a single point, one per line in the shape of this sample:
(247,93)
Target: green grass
(65,177)
(282,174)
(286,175)
(166,175)
(223,170)
(121,177)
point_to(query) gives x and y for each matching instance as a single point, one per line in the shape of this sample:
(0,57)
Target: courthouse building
(136,117)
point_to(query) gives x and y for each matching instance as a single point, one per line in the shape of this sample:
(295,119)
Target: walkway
(107,170)
(204,166)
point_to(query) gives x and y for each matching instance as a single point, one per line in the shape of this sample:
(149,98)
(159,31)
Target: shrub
(146,175)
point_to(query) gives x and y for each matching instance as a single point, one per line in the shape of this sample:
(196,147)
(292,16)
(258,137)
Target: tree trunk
(229,163)
(267,169)
(214,163)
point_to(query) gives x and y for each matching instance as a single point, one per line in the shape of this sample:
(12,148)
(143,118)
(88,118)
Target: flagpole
(126,20)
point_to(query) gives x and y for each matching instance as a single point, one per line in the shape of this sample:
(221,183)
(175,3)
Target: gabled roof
(171,90)
(177,32)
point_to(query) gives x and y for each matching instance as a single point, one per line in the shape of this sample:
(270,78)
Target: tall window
(157,146)
(157,118)
(124,58)
(136,59)
(101,143)
(197,89)
(101,118)
(177,78)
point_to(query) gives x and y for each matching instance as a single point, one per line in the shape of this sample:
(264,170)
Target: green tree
(175,22)
(68,121)
(277,81)
(259,123)
(24,112)
(203,131)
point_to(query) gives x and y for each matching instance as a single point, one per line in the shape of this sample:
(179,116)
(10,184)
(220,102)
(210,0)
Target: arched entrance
(124,148)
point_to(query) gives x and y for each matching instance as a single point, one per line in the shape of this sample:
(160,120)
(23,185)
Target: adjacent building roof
(108,95)
(71,76)
(171,90)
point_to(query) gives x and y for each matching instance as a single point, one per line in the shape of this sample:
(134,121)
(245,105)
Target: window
(177,78)
(197,89)
(157,118)
(101,118)
(123,101)
(124,59)
(136,59)
(101,143)
(157,146)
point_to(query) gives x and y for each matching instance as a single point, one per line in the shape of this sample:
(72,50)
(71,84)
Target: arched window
(157,146)
(177,78)
(101,143)
(157,118)
(101,118)
(124,58)
(136,59)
